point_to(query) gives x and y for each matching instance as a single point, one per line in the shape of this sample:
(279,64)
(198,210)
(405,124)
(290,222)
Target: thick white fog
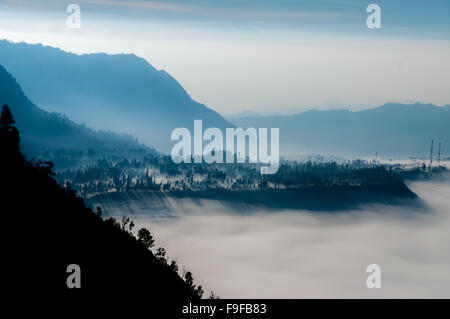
(303,254)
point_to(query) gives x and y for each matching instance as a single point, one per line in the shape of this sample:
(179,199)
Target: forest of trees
(159,173)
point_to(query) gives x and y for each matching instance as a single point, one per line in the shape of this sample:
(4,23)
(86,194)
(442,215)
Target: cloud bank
(300,254)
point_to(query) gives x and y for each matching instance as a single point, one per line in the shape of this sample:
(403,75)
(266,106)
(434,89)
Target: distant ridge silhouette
(43,130)
(121,92)
(390,130)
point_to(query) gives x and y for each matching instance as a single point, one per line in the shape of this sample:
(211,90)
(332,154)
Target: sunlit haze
(268,59)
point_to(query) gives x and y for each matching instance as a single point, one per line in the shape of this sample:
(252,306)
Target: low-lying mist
(303,254)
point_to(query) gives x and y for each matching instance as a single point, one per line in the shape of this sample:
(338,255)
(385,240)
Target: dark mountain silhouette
(43,130)
(391,129)
(49,228)
(123,93)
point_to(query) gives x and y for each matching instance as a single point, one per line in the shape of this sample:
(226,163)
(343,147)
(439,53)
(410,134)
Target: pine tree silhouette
(9,135)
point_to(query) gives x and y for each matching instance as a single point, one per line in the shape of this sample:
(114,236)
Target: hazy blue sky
(261,55)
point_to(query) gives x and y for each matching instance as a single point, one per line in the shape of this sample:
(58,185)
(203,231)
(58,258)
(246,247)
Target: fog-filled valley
(358,188)
(226,159)
(303,254)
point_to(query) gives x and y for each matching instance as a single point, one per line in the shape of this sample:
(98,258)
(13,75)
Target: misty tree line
(66,159)
(159,173)
(328,174)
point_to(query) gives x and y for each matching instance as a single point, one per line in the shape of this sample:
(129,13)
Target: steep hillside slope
(43,130)
(123,93)
(50,228)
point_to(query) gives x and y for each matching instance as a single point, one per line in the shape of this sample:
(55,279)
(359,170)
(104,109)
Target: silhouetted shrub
(144,236)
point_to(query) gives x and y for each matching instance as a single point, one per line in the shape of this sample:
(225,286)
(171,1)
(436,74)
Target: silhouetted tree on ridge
(145,237)
(190,282)
(9,135)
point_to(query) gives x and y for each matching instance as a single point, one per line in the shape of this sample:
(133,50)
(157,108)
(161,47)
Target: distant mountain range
(391,129)
(239,115)
(122,93)
(41,130)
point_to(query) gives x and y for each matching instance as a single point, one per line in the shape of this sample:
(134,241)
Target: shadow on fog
(330,199)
